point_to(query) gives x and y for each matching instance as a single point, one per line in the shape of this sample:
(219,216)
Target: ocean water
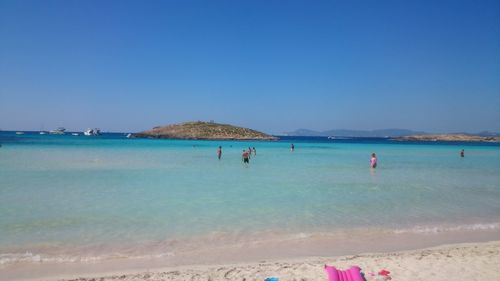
(74,198)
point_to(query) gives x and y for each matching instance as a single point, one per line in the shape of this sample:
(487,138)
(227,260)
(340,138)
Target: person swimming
(373,161)
(462,153)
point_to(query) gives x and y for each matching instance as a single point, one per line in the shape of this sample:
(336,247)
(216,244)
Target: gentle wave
(28,257)
(9,258)
(441,229)
(221,241)
(144,250)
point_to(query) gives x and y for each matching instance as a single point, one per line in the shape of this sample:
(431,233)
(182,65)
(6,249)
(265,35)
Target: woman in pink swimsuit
(373,161)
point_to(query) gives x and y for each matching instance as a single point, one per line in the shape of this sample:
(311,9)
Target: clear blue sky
(274,66)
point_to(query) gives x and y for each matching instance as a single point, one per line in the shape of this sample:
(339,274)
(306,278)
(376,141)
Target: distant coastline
(203,131)
(381,133)
(449,137)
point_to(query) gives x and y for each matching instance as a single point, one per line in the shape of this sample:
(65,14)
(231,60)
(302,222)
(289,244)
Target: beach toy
(385,274)
(351,274)
(272,279)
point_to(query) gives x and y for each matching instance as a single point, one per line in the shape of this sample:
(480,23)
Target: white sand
(472,261)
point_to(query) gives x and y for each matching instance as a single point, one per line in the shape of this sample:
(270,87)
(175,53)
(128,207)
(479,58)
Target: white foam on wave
(28,257)
(444,229)
(9,258)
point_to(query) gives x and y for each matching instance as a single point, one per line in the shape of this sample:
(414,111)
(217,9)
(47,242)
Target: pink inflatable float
(352,274)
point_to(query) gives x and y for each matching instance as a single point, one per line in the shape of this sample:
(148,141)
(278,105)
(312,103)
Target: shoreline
(207,261)
(458,261)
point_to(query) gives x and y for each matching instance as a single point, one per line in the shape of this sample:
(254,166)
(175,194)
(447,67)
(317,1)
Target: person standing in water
(462,153)
(373,161)
(245,157)
(292,147)
(219,152)
(254,151)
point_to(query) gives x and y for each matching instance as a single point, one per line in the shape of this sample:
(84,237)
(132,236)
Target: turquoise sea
(72,198)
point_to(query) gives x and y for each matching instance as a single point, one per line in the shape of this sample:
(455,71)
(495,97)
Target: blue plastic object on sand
(272,279)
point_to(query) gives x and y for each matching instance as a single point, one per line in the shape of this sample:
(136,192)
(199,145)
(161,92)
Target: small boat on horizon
(58,131)
(339,138)
(19,133)
(75,134)
(92,132)
(43,133)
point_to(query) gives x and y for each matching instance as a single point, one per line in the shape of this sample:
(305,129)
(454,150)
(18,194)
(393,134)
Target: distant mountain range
(374,133)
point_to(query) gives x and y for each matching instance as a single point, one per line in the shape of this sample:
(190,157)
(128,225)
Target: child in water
(373,161)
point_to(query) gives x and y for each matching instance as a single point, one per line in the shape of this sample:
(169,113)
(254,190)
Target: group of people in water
(246,155)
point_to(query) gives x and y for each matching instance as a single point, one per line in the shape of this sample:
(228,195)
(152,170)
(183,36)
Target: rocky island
(449,137)
(203,131)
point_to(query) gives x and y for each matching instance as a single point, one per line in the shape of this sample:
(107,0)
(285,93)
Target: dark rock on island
(203,131)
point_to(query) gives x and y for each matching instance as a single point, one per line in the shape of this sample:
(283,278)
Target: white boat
(19,133)
(92,132)
(43,133)
(75,134)
(129,135)
(58,131)
(339,138)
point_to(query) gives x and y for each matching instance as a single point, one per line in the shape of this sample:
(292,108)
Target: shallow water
(77,197)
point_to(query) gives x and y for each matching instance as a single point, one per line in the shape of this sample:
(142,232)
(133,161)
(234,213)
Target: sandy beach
(466,261)
(457,262)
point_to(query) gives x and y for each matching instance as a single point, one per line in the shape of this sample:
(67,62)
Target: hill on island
(203,131)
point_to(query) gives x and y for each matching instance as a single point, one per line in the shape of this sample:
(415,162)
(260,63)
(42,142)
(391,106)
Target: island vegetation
(203,131)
